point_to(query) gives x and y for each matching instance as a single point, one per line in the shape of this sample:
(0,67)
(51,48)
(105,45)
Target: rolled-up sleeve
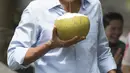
(24,37)
(105,60)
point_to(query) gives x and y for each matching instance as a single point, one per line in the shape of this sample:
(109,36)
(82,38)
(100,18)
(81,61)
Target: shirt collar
(85,3)
(54,3)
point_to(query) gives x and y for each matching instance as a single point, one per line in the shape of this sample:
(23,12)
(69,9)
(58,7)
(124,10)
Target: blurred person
(36,41)
(113,23)
(126,58)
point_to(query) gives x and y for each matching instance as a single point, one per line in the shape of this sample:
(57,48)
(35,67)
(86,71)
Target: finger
(54,32)
(118,53)
(71,41)
(118,58)
(74,39)
(82,38)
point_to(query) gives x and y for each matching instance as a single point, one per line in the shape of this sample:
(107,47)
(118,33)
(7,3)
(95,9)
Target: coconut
(72,24)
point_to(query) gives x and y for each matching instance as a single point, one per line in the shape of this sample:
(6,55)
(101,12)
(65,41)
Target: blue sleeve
(24,37)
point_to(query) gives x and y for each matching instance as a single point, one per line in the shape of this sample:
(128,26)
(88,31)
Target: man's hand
(36,52)
(56,42)
(112,71)
(118,55)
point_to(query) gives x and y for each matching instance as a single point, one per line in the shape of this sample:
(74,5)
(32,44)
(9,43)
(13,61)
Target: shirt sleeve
(105,59)
(25,37)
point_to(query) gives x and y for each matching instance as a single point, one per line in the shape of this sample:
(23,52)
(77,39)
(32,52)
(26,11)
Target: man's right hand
(57,42)
(36,52)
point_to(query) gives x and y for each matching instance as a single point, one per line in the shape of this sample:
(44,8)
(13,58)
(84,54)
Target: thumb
(117,53)
(54,32)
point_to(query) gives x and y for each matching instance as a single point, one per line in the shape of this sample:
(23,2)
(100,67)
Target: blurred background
(10,13)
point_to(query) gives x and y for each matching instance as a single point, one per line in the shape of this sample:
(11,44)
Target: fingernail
(76,36)
(84,37)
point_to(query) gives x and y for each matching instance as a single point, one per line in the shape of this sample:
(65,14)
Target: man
(113,24)
(35,40)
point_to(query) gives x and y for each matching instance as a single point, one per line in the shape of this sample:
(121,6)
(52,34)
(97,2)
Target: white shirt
(35,28)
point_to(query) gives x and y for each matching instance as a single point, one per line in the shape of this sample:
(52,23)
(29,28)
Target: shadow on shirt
(27,70)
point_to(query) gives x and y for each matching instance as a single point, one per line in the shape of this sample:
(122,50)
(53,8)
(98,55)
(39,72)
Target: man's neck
(74,5)
(67,1)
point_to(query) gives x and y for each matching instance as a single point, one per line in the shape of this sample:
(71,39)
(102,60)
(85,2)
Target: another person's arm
(105,60)
(126,59)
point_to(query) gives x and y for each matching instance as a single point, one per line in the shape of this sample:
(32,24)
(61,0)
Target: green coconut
(72,24)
